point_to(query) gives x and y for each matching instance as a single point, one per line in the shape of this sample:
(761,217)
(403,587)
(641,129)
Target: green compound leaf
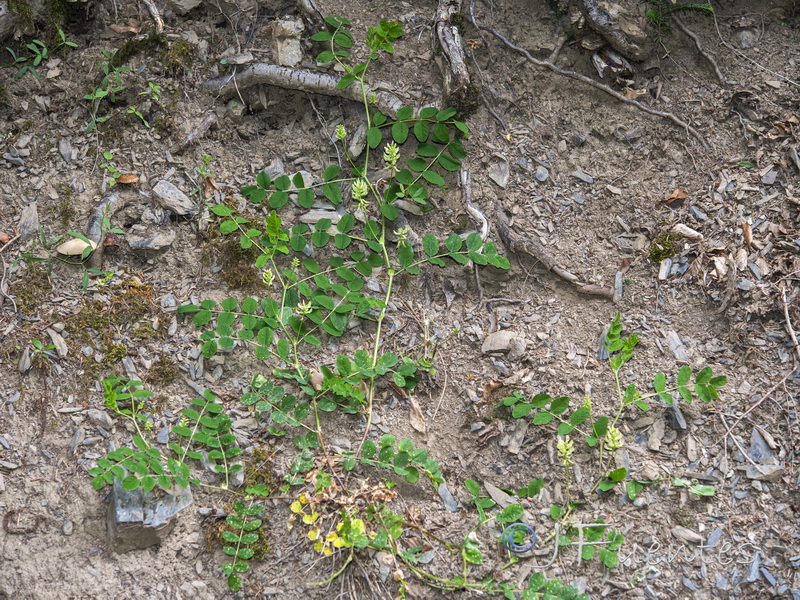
(684,375)
(433,177)
(130,483)
(421,131)
(430,244)
(704,376)
(234,582)
(659,382)
(374,137)
(405,113)
(400,133)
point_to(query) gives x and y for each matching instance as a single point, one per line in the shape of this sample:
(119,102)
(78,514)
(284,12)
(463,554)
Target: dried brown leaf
(416,418)
(748,234)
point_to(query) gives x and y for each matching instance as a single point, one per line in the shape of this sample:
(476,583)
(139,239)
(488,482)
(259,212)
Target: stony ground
(601,185)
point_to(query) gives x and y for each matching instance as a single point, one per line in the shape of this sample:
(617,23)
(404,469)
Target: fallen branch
(703,52)
(300,80)
(524,245)
(588,81)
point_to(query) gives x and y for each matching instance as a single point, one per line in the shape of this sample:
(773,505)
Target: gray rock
(675,418)
(697,213)
(746,38)
(583,176)
(148,238)
(721,583)
(77,438)
(754,570)
(181,7)
(67,527)
(65,150)
(767,472)
(100,418)
(714,538)
(758,446)
(450,503)
(745,285)
(677,347)
(358,141)
(499,172)
(541,174)
(139,519)
(688,584)
(664,269)
(13,159)
(687,535)
(58,342)
(163,435)
(173,199)
(25,361)
(29,222)
(499,341)
(286,34)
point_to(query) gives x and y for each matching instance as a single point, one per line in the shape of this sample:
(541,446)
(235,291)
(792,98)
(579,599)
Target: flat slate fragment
(139,519)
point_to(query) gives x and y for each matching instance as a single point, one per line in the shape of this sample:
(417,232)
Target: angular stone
(677,347)
(100,418)
(29,222)
(499,172)
(172,198)
(58,342)
(286,34)
(139,519)
(687,535)
(583,176)
(767,472)
(450,503)
(144,238)
(499,341)
(181,7)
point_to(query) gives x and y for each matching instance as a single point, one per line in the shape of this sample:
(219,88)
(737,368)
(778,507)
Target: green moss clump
(164,371)
(664,246)
(32,288)
(178,56)
(115,354)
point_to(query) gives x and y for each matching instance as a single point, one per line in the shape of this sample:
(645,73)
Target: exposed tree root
(525,245)
(587,80)
(703,52)
(301,80)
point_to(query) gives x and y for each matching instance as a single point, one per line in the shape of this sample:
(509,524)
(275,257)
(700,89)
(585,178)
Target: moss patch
(164,371)
(664,246)
(32,288)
